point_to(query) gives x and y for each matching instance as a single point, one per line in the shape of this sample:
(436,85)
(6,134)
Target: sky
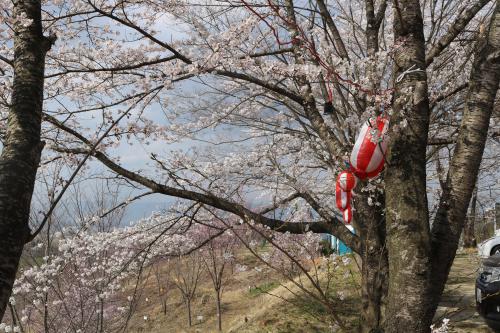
(135,157)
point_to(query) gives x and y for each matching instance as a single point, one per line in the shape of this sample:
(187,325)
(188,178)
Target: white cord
(408,71)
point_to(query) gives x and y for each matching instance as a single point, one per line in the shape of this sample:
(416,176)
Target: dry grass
(252,302)
(247,309)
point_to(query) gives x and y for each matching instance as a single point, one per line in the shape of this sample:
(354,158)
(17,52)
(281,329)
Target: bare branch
(456,28)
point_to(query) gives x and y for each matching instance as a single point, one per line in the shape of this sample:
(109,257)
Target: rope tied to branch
(408,71)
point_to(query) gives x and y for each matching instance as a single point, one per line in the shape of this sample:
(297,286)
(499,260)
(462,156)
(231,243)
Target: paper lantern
(343,198)
(367,156)
(347,181)
(347,213)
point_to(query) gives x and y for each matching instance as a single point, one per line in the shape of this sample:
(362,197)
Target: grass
(255,310)
(252,301)
(263,288)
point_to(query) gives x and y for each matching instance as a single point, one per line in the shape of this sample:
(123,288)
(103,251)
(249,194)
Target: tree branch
(449,94)
(113,69)
(291,197)
(6,60)
(294,97)
(339,43)
(456,28)
(142,32)
(332,226)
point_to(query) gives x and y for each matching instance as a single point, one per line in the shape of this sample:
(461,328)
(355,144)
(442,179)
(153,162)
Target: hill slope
(248,306)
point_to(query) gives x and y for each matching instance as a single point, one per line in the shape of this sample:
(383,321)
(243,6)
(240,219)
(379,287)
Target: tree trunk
(469,230)
(219,312)
(369,220)
(374,276)
(22,147)
(370,225)
(464,165)
(407,224)
(188,304)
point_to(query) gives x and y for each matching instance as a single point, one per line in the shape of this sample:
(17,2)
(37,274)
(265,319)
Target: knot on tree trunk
(48,41)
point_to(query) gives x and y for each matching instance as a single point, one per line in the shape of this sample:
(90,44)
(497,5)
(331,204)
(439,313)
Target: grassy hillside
(262,302)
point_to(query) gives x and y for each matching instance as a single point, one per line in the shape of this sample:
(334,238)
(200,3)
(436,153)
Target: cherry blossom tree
(164,284)
(217,255)
(243,84)
(82,286)
(186,273)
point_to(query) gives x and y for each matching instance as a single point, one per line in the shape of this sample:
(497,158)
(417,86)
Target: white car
(490,246)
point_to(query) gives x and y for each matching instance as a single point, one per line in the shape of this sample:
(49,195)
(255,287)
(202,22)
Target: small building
(337,245)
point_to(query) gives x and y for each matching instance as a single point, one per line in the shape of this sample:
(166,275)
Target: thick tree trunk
(374,276)
(464,166)
(408,235)
(22,147)
(369,219)
(370,225)
(469,229)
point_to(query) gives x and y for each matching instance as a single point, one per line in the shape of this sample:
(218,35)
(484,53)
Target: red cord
(310,46)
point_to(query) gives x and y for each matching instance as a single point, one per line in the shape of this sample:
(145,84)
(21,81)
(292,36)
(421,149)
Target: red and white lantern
(347,181)
(343,198)
(367,156)
(347,213)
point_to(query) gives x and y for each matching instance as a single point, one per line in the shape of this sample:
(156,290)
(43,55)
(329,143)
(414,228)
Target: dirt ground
(458,302)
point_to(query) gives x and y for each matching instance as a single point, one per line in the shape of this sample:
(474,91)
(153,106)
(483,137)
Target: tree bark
(469,230)
(188,305)
(370,225)
(408,235)
(339,43)
(219,312)
(369,219)
(454,30)
(464,165)
(22,147)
